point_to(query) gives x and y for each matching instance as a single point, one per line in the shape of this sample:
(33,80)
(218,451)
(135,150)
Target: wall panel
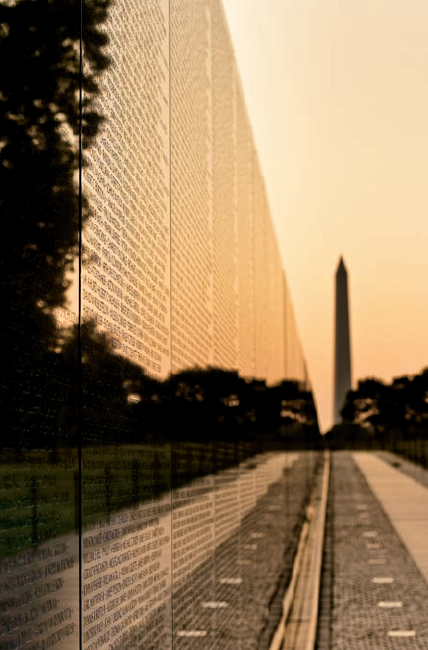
(191,185)
(141,483)
(126,274)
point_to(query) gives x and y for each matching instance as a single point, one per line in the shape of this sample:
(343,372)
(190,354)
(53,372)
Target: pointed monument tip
(341,264)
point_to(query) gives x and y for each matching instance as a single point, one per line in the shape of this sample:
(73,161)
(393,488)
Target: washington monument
(342,355)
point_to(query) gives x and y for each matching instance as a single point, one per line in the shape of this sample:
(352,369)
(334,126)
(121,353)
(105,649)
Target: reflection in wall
(184,268)
(151,483)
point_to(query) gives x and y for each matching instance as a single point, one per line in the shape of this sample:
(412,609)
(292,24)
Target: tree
(47,107)
(40,127)
(398,407)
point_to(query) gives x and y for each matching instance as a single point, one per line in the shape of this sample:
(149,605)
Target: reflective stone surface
(154,385)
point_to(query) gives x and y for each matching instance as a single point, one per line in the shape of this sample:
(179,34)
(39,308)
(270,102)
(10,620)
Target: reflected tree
(48,119)
(43,119)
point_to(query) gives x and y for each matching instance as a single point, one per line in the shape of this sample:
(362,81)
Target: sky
(337,94)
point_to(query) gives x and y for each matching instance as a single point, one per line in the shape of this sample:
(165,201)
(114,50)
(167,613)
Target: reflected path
(184,557)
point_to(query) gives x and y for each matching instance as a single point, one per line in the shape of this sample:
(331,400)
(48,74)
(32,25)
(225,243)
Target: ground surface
(373,594)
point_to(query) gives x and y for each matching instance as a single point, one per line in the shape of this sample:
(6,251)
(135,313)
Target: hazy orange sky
(337,93)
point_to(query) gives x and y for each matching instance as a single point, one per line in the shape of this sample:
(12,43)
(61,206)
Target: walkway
(374,590)
(405,502)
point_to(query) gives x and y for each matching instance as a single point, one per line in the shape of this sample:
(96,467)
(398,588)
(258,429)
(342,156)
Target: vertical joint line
(170,309)
(79,340)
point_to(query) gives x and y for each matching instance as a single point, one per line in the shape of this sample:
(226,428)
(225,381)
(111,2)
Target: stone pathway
(419,473)
(405,502)
(378,596)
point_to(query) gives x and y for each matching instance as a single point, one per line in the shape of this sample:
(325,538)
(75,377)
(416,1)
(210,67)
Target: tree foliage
(47,119)
(400,406)
(46,105)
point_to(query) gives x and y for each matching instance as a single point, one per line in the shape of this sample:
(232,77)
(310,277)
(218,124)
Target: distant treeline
(87,394)
(391,416)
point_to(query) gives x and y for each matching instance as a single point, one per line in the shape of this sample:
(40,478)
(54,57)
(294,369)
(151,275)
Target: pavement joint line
(390,603)
(215,604)
(382,580)
(230,581)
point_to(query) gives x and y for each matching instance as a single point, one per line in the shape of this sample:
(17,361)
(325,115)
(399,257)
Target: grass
(40,491)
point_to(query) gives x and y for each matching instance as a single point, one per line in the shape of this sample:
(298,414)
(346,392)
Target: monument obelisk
(342,354)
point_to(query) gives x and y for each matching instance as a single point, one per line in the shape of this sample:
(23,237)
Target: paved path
(414,470)
(374,594)
(405,502)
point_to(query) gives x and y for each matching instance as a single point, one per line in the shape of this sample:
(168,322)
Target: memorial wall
(183,264)
(158,413)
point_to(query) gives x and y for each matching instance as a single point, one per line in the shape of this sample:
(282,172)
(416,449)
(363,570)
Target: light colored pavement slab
(405,502)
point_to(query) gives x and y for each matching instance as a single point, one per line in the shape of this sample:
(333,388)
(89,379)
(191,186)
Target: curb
(309,553)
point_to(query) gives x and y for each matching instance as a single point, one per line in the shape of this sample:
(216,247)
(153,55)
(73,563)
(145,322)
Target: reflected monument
(342,354)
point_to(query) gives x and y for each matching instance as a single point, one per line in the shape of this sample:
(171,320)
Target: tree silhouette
(383,413)
(41,123)
(46,108)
